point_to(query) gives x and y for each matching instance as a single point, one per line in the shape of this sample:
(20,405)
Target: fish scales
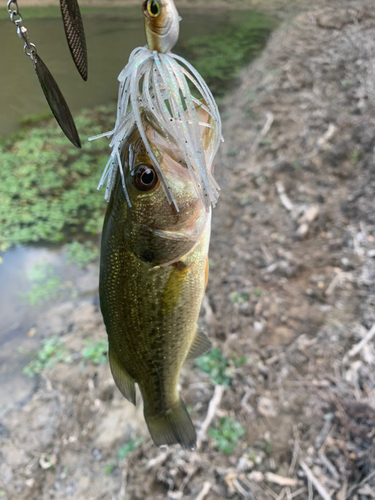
(143,333)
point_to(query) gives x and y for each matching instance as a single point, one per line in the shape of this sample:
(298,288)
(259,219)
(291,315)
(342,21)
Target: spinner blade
(56,101)
(75,34)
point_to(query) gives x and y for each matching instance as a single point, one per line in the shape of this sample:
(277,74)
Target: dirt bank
(291,293)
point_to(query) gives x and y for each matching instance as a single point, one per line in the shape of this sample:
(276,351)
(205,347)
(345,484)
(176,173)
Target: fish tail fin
(174,426)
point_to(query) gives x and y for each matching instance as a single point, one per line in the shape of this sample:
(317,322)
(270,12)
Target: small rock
(245,464)
(258,327)
(266,407)
(256,476)
(302,230)
(47,461)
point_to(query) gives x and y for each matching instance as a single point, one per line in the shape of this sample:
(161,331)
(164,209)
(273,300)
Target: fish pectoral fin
(201,344)
(173,426)
(174,286)
(123,380)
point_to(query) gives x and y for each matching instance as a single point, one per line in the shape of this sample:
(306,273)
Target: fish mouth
(177,235)
(191,233)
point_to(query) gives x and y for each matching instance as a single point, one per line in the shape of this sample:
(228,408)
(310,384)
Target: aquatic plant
(81,254)
(219,57)
(47,187)
(45,284)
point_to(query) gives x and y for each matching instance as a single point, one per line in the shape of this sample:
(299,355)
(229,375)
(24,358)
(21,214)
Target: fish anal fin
(123,380)
(174,426)
(200,345)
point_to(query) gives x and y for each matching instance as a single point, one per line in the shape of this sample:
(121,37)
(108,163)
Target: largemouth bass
(153,273)
(160,188)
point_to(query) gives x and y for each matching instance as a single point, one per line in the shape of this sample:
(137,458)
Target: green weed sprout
(126,449)
(122,453)
(216,365)
(96,352)
(227,434)
(52,352)
(108,469)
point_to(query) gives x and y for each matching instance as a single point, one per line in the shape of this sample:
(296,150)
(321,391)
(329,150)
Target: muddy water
(24,322)
(111,36)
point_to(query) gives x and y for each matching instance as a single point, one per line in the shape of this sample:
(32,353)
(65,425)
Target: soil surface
(291,289)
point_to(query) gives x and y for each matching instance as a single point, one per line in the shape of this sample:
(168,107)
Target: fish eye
(145,177)
(153,8)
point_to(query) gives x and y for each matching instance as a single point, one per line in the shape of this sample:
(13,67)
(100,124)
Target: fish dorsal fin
(201,344)
(123,380)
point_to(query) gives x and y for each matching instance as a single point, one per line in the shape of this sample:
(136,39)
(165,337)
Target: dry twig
(281,494)
(285,201)
(318,486)
(212,407)
(358,347)
(241,490)
(356,486)
(322,141)
(263,132)
(329,466)
(295,451)
(157,460)
(280,480)
(298,492)
(122,492)
(204,491)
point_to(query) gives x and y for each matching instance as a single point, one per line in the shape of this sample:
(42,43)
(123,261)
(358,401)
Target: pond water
(34,283)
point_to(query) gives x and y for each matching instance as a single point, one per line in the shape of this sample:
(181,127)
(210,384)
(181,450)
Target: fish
(160,191)
(153,274)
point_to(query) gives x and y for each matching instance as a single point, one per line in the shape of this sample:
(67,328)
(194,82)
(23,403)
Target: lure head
(155,230)
(162,24)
